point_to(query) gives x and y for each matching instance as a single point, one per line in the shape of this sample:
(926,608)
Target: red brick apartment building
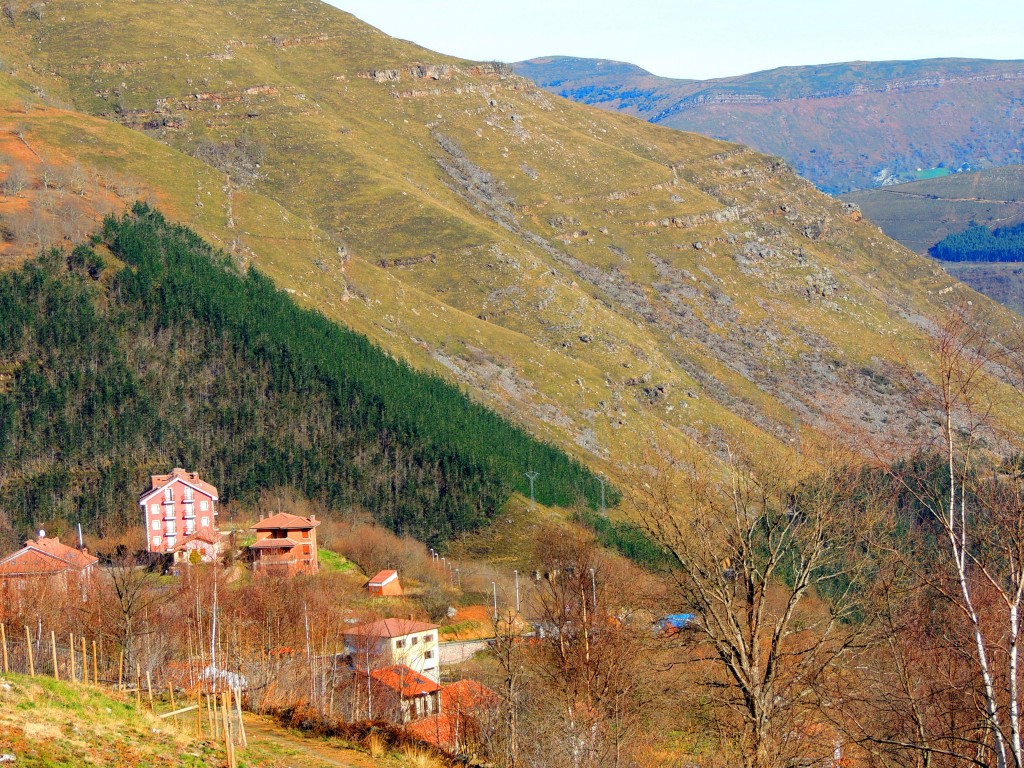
(176,508)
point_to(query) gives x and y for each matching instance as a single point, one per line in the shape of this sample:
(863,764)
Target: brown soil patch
(271,740)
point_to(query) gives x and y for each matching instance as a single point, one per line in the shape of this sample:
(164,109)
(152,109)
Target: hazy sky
(710,38)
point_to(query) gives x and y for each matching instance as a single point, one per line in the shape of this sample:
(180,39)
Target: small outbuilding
(386,584)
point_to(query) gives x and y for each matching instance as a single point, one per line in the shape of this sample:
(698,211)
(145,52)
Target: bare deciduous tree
(16,180)
(975,560)
(769,559)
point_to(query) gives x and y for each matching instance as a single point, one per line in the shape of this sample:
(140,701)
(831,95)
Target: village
(270,614)
(372,665)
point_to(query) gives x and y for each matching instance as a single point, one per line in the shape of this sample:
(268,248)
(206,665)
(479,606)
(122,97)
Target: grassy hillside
(844,126)
(922,213)
(604,282)
(176,359)
(46,724)
(1002,282)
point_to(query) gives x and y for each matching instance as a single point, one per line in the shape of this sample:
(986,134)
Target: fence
(90,661)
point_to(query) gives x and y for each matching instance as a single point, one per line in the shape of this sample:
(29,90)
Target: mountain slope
(843,126)
(921,213)
(181,360)
(603,281)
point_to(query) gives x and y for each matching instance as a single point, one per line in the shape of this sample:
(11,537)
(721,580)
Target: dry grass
(48,723)
(415,757)
(375,745)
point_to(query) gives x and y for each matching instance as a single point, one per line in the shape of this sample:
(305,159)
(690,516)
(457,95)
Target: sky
(711,38)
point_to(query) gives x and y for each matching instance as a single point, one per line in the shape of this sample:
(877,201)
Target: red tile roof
(439,730)
(466,695)
(274,544)
(205,534)
(404,680)
(391,628)
(45,556)
(159,482)
(284,521)
(383,578)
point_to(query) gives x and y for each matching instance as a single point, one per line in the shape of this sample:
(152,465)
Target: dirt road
(271,746)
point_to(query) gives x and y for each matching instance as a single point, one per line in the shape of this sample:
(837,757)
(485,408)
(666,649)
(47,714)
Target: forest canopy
(979,243)
(174,358)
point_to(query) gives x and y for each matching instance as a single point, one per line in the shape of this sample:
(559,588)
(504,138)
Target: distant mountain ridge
(844,126)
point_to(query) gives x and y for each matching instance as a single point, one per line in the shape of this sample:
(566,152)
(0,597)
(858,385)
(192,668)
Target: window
(168,494)
(204,522)
(204,506)
(156,525)
(428,654)
(399,643)
(427,638)
(305,549)
(156,541)
(414,640)
(154,509)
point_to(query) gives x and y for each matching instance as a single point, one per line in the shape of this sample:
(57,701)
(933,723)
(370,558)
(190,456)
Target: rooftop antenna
(531,475)
(81,544)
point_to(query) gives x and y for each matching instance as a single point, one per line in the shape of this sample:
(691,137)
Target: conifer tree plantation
(150,349)
(978,243)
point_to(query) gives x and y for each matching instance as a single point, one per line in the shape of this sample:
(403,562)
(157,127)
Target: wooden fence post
(95,666)
(85,662)
(228,741)
(241,726)
(3,640)
(53,647)
(199,714)
(120,671)
(138,686)
(71,647)
(170,688)
(28,644)
(149,688)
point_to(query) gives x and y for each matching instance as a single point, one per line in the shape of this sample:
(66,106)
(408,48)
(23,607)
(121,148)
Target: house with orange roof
(285,545)
(206,542)
(389,642)
(468,709)
(45,563)
(385,584)
(176,507)
(401,694)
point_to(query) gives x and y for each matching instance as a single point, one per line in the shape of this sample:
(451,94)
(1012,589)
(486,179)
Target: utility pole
(531,475)
(517,590)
